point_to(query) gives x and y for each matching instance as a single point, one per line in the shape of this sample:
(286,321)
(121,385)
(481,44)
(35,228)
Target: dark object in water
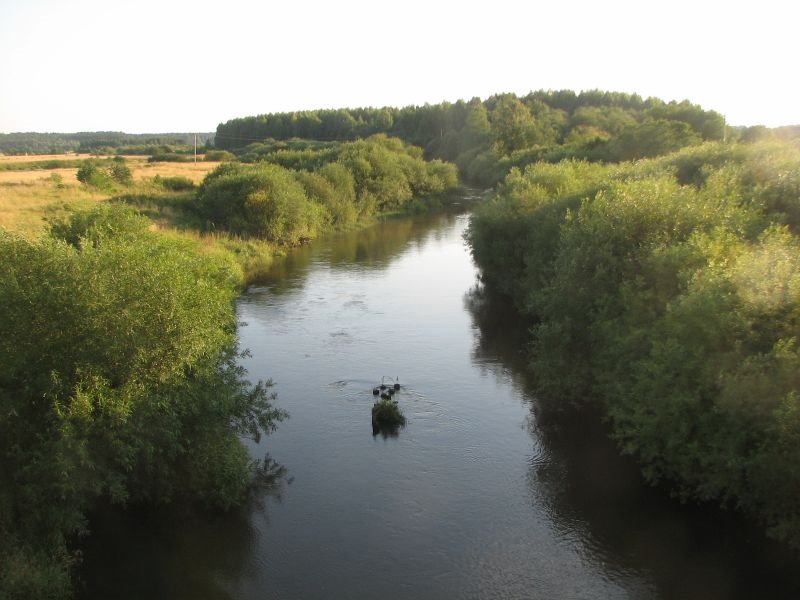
(386,416)
(387,390)
(395,386)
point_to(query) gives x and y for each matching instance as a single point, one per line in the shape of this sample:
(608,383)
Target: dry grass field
(39,157)
(195,172)
(28,198)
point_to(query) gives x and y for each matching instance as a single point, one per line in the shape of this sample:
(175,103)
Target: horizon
(180,66)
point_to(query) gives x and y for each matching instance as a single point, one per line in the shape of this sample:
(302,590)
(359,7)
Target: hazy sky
(175,65)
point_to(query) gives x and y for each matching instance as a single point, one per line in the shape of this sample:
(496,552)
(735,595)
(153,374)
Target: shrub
(119,171)
(174,184)
(219,155)
(92,174)
(387,416)
(262,200)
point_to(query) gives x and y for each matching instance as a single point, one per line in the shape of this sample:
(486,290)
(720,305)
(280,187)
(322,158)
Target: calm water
(480,496)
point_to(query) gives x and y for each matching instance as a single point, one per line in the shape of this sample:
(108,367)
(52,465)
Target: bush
(170,157)
(119,364)
(261,200)
(219,155)
(667,291)
(119,171)
(174,184)
(92,174)
(387,416)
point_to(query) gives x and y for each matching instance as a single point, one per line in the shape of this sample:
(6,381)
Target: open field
(25,207)
(28,198)
(195,172)
(138,165)
(21,158)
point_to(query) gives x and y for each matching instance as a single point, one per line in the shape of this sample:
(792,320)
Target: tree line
(97,142)
(667,292)
(487,138)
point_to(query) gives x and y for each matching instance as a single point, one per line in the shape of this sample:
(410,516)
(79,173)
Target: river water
(479,496)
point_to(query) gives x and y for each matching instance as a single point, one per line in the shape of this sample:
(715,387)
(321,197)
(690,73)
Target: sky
(152,66)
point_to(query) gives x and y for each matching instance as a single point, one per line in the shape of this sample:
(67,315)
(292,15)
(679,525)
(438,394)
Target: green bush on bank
(332,187)
(668,291)
(118,381)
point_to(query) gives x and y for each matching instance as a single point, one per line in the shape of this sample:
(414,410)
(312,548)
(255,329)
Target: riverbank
(665,293)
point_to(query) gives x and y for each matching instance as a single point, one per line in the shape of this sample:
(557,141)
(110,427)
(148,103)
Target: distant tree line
(667,292)
(487,138)
(98,142)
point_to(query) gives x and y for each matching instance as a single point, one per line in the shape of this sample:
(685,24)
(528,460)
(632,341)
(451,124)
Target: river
(479,496)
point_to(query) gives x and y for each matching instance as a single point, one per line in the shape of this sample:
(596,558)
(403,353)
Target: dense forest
(486,138)
(667,292)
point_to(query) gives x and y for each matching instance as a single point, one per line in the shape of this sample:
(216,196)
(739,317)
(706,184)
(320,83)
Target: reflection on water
(175,552)
(368,249)
(484,494)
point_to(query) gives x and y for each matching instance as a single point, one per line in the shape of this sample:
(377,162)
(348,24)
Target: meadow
(32,196)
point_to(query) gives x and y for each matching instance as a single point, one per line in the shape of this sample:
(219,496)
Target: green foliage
(56,179)
(102,142)
(93,174)
(334,185)
(512,124)
(118,380)
(162,156)
(105,222)
(175,183)
(544,125)
(667,291)
(43,165)
(119,171)
(219,155)
(387,416)
(262,200)
(27,573)
(104,174)
(652,138)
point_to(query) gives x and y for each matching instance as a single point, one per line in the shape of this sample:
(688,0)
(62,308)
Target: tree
(512,124)
(92,174)
(119,171)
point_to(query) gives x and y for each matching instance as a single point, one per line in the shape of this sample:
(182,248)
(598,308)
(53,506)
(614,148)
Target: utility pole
(195,148)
